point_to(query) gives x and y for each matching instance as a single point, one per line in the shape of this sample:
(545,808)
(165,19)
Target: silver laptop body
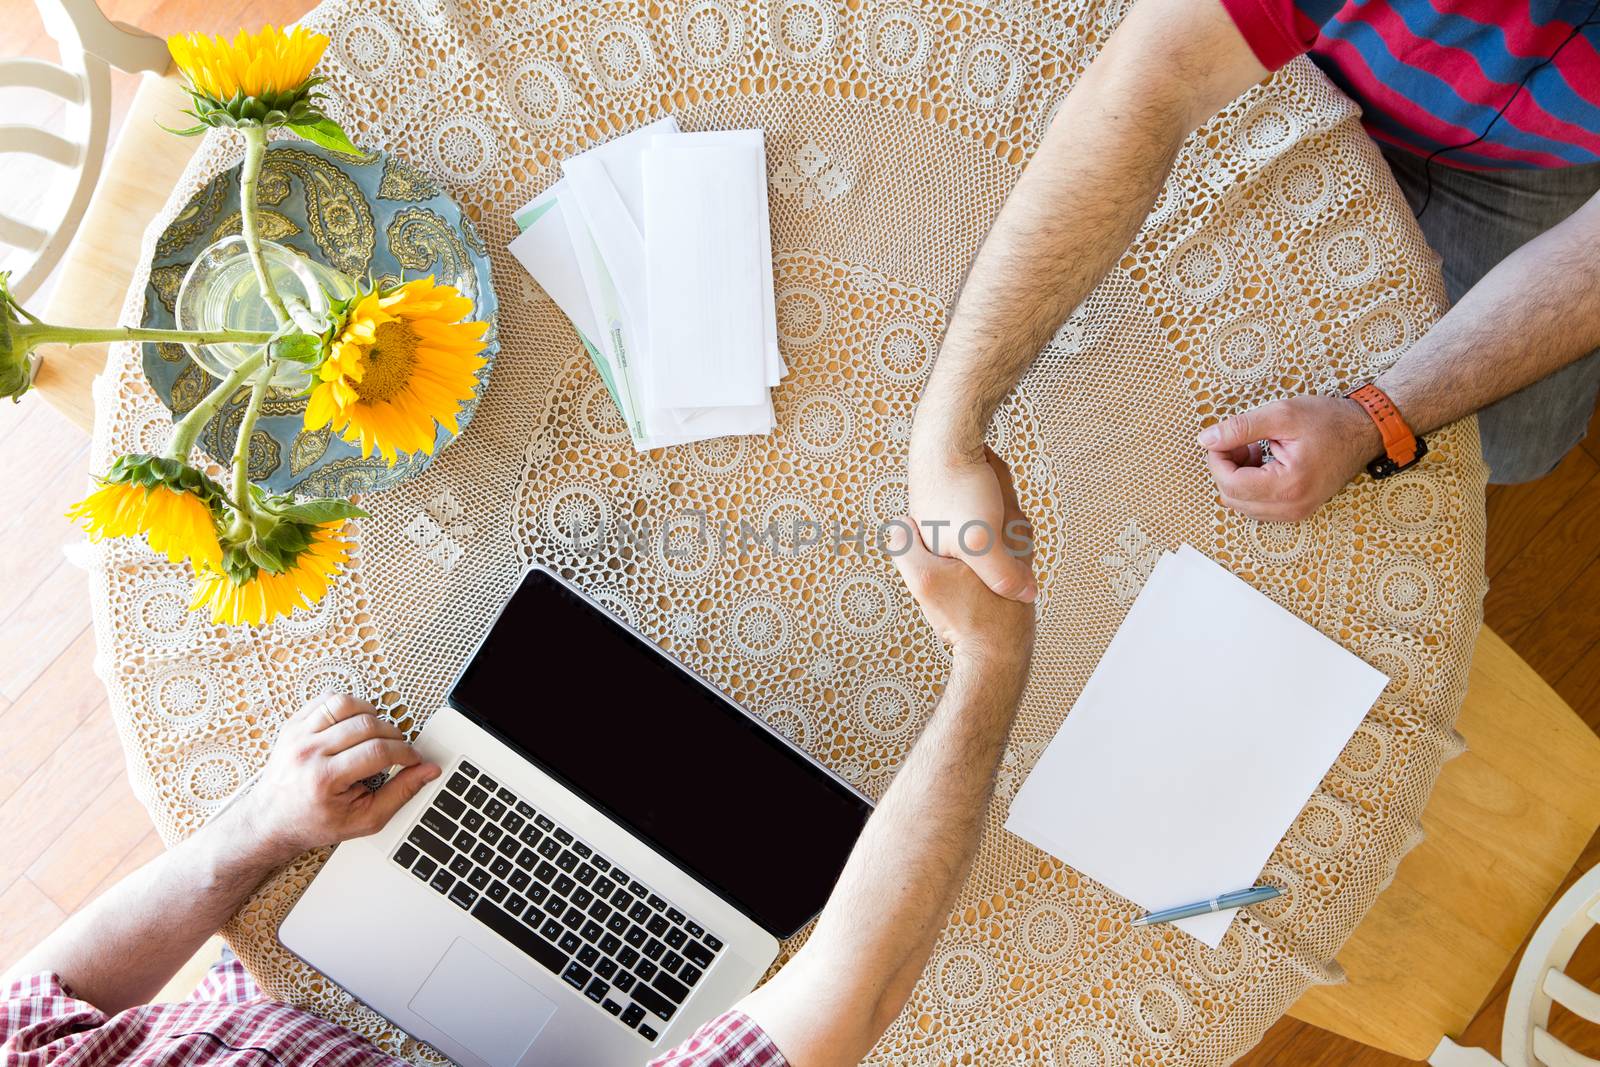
(588,965)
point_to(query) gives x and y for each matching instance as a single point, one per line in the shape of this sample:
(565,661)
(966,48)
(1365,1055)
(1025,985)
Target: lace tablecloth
(1279,259)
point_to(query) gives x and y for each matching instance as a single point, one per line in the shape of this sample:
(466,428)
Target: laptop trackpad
(482,1005)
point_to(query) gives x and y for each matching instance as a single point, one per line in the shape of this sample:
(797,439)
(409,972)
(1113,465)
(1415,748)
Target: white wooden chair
(1540,982)
(90,45)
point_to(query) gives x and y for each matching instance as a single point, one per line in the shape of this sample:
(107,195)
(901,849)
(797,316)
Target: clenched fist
(1317,444)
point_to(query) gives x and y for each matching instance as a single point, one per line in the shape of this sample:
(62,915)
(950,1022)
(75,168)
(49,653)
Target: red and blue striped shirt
(1431,74)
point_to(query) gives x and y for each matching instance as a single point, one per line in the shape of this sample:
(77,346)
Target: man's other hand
(961,509)
(310,793)
(966,612)
(1317,444)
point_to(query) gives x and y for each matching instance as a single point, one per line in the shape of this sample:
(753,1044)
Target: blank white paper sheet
(1207,725)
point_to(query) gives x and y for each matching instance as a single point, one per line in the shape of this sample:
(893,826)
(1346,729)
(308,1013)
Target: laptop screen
(619,723)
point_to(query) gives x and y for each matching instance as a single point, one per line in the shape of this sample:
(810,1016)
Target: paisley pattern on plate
(378,217)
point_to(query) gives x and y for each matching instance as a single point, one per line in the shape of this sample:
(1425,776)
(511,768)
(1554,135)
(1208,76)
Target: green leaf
(236,563)
(191,131)
(264,557)
(298,348)
(326,132)
(167,470)
(314,512)
(289,539)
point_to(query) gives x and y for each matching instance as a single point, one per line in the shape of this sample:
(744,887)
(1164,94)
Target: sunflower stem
(189,427)
(245,513)
(31,335)
(255,146)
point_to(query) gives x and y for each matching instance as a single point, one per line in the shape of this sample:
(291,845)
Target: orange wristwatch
(1402,448)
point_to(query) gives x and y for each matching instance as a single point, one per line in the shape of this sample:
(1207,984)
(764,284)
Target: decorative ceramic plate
(378,217)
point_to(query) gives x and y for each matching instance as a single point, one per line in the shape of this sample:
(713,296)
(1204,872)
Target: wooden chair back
(90,45)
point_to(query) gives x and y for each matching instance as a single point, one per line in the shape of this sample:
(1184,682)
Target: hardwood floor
(72,826)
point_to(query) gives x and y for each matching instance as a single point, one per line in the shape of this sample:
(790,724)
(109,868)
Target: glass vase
(220,292)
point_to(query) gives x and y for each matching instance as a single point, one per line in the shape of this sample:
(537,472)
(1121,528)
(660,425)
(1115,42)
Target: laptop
(610,858)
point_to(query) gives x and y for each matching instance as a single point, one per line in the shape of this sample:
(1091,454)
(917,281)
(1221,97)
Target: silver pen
(1238,899)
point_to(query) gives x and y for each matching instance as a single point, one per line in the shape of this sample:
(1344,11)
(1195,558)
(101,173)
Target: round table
(1280,259)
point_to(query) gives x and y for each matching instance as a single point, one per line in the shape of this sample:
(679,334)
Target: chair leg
(1450,1054)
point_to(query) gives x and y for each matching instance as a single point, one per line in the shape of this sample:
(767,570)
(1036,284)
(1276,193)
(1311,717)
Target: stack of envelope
(657,246)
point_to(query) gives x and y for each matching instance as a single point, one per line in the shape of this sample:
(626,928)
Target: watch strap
(1401,447)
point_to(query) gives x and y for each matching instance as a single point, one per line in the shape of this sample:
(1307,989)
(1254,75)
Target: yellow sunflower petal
(268,596)
(268,62)
(177,524)
(402,365)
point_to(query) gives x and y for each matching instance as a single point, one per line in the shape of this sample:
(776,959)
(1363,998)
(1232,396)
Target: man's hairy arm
(842,990)
(1533,314)
(834,999)
(120,950)
(1170,66)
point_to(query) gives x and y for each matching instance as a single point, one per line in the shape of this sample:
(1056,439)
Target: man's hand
(122,948)
(310,793)
(973,618)
(962,508)
(1318,443)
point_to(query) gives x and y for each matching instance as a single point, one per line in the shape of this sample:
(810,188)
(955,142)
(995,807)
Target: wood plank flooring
(72,826)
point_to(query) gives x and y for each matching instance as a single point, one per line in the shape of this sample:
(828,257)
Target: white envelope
(777,370)
(617,340)
(608,187)
(704,273)
(614,336)
(597,277)
(545,248)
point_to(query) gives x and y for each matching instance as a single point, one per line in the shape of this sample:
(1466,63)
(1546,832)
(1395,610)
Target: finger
(347,733)
(1264,422)
(314,710)
(1002,474)
(911,557)
(1016,531)
(370,758)
(1261,512)
(1246,455)
(397,791)
(1249,509)
(330,709)
(1256,484)
(1005,575)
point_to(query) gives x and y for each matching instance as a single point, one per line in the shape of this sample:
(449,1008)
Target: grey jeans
(1475,220)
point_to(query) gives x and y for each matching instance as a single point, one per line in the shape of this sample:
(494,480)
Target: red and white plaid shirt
(732,1039)
(229,1021)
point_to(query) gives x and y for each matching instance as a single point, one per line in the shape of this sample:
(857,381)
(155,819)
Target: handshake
(974,577)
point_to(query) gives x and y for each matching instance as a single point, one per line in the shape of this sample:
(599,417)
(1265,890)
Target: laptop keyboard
(528,879)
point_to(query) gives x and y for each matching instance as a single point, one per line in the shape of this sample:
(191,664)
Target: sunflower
(170,504)
(264,595)
(268,65)
(399,362)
